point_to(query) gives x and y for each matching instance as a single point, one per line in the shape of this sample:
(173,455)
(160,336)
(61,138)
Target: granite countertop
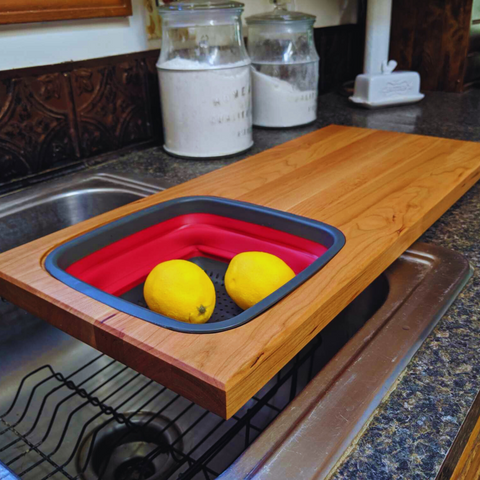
(414,428)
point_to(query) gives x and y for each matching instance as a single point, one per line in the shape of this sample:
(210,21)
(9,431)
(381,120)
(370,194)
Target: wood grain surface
(463,459)
(468,467)
(381,189)
(22,11)
(432,38)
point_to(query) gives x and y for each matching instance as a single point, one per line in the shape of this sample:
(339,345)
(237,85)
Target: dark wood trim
(341,54)
(468,468)
(458,447)
(431,37)
(26,11)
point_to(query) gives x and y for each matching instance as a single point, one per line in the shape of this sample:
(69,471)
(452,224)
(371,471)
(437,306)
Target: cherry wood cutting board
(381,189)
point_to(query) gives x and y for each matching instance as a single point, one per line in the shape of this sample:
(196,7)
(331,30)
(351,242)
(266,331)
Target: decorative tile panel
(35,125)
(111,106)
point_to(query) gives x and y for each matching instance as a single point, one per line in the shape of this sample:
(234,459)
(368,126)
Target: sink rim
(295,430)
(12,203)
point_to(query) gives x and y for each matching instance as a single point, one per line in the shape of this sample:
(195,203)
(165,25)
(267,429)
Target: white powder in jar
(207,112)
(277,103)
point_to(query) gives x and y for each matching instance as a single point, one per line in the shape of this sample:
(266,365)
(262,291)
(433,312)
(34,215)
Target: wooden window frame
(26,11)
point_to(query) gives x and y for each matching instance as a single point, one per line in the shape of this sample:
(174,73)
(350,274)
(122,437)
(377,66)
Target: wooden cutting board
(381,189)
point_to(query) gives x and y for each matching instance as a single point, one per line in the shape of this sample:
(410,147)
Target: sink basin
(36,212)
(67,411)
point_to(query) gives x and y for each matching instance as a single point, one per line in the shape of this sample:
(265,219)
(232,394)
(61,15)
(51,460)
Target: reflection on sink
(34,213)
(135,428)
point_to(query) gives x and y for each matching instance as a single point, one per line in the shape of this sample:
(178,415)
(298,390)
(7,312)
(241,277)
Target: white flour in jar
(207,112)
(277,103)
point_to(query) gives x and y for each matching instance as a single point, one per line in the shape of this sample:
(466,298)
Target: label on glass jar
(206,112)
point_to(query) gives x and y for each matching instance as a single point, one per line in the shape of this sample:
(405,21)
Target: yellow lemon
(181,290)
(252,276)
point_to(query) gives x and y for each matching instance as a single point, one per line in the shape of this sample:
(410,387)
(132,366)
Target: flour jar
(285,68)
(205,80)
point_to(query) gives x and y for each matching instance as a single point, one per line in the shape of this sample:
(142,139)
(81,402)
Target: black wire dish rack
(105,421)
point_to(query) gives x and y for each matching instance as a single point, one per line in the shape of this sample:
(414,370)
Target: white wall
(33,44)
(27,45)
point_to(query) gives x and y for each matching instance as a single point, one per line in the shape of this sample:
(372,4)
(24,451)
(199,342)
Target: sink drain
(121,452)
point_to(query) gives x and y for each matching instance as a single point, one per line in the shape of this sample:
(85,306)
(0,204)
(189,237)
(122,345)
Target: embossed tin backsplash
(55,119)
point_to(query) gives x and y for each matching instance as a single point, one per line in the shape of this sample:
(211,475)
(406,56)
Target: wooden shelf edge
(65,13)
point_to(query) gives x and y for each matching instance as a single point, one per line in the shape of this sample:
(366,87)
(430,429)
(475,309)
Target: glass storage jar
(204,75)
(285,68)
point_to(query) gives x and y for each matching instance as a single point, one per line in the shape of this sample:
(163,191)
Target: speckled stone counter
(413,429)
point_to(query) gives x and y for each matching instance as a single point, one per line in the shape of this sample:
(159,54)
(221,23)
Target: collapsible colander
(110,264)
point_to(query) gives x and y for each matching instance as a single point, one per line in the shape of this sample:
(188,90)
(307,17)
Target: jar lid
(199,5)
(280,15)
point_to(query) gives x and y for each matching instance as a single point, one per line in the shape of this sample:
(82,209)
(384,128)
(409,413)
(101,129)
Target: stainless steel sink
(66,411)
(36,212)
